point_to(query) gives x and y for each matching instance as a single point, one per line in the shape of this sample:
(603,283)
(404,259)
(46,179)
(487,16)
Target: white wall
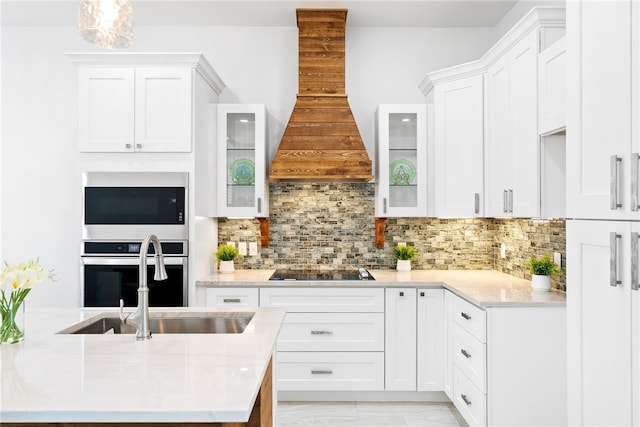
(39,170)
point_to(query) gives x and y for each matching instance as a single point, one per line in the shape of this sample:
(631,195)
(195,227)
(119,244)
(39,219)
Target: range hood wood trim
(322,142)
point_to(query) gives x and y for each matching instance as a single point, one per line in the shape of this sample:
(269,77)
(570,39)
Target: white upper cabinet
(552,89)
(401,177)
(486,142)
(602,162)
(138,102)
(512,139)
(242,161)
(458,147)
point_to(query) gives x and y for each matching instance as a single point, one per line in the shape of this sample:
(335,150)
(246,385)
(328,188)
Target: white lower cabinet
(414,339)
(505,363)
(332,339)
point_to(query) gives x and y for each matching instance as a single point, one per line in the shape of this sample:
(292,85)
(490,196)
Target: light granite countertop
(484,288)
(52,377)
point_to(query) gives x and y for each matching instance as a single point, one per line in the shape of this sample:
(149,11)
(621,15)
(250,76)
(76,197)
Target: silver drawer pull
(635,273)
(321,372)
(236,300)
(613,259)
(465,315)
(465,353)
(615,162)
(321,332)
(467,401)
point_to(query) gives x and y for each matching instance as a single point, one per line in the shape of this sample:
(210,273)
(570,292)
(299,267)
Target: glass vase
(12,317)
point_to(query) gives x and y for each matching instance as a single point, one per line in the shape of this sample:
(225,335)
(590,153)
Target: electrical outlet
(557,258)
(253,248)
(503,251)
(242,248)
(231,244)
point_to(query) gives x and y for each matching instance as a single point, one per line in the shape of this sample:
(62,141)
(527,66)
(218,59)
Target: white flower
(23,275)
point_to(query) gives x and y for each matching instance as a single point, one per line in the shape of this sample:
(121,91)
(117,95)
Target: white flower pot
(226,267)
(403,265)
(540,283)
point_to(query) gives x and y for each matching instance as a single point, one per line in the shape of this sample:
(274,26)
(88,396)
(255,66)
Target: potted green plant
(542,268)
(404,254)
(226,254)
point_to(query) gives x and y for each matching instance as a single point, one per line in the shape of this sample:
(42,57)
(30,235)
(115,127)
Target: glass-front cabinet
(401,176)
(242,185)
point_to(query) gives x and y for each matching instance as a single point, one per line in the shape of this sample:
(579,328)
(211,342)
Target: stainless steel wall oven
(119,210)
(110,273)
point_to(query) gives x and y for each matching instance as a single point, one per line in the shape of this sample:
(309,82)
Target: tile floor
(368,414)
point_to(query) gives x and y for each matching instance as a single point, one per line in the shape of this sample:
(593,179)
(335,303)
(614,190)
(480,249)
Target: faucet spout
(141,316)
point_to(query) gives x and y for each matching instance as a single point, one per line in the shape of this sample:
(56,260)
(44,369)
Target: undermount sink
(191,323)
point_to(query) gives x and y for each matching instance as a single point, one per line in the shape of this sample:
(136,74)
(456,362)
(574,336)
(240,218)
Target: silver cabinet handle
(127,146)
(321,372)
(615,172)
(384,205)
(321,332)
(476,203)
(510,201)
(465,353)
(613,259)
(259,204)
(504,201)
(465,315)
(635,283)
(465,399)
(138,145)
(234,300)
(635,195)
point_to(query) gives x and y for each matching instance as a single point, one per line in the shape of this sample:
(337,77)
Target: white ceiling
(369,13)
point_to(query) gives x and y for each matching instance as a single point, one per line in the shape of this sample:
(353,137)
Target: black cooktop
(285,274)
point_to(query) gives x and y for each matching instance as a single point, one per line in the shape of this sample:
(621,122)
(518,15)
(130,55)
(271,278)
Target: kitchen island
(183,379)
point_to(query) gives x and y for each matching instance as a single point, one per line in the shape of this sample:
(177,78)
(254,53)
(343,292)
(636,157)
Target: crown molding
(142,59)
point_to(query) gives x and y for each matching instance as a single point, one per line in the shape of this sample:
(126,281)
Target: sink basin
(191,323)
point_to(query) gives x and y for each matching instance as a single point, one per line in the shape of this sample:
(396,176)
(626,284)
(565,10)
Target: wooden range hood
(321,142)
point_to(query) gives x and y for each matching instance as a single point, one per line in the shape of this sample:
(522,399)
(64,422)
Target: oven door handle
(131,261)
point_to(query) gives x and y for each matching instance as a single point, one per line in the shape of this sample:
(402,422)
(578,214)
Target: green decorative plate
(402,172)
(243,172)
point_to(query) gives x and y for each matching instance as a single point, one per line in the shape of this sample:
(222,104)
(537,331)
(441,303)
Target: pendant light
(106,23)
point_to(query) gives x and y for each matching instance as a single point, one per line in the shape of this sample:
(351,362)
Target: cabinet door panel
(598,114)
(400,339)
(499,148)
(163,109)
(401,146)
(458,147)
(431,340)
(523,111)
(599,325)
(106,113)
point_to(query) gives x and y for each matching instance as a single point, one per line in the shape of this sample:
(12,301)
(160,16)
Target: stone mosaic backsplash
(332,225)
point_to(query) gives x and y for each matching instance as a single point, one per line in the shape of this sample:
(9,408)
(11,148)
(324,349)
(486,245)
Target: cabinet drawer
(232,297)
(351,371)
(471,402)
(324,300)
(332,332)
(470,356)
(470,317)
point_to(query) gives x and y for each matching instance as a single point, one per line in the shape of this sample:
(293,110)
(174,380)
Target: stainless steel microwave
(130,205)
